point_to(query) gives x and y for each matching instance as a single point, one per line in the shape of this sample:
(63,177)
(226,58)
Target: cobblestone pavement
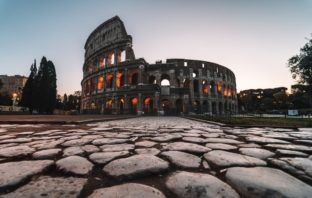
(154,157)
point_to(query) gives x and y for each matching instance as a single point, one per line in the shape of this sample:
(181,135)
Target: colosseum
(115,82)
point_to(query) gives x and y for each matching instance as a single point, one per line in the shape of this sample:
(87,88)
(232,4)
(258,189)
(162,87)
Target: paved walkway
(154,157)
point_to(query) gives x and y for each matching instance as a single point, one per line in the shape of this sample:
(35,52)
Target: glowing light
(134,101)
(219,86)
(205,89)
(109,104)
(102,61)
(100,84)
(118,79)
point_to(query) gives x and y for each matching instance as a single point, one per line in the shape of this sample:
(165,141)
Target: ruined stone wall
(115,82)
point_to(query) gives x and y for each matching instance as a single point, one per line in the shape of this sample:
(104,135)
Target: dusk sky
(252,38)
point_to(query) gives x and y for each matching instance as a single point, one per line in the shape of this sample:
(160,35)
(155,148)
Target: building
(13,85)
(114,81)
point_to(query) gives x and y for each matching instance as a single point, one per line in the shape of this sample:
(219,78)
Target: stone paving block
(266,182)
(13,173)
(50,187)
(194,185)
(128,190)
(136,166)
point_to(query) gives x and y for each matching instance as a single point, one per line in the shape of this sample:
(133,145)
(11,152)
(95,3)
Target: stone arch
(148,105)
(109,81)
(165,104)
(165,80)
(205,88)
(133,105)
(179,106)
(120,79)
(205,106)
(152,80)
(186,83)
(121,105)
(134,78)
(196,107)
(196,86)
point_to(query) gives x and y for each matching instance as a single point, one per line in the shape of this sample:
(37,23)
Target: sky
(252,38)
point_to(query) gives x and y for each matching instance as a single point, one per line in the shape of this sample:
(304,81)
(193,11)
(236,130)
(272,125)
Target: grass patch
(260,121)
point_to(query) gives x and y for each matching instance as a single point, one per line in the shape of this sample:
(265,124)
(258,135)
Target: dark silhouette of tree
(46,87)
(1,84)
(301,65)
(27,99)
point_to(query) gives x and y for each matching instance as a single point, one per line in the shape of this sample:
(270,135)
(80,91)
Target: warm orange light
(134,101)
(109,104)
(229,93)
(219,86)
(108,80)
(14,95)
(205,89)
(118,79)
(102,61)
(225,91)
(100,84)
(147,101)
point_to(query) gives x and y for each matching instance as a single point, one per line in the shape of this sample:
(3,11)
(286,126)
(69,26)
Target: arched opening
(195,74)
(196,86)
(165,80)
(214,108)
(120,80)
(135,79)
(225,91)
(205,87)
(100,85)
(148,105)
(213,88)
(93,85)
(108,106)
(220,108)
(179,106)
(219,87)
(134,105)
(186,83)
(196,106)
(178,82)
(152,80)
(109,81)
(121,103)
(165,104)
(102,61)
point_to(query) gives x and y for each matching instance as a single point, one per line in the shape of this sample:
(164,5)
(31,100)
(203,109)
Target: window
(185,64)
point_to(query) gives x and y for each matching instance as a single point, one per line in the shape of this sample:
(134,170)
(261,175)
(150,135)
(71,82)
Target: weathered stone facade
(114,81)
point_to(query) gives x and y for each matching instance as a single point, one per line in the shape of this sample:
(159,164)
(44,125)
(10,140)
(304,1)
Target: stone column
(104,79)
(116,51)
(114,81)
(114,105)
(191,88)
(155,104)
(139,104)
(126,104)
(141,67)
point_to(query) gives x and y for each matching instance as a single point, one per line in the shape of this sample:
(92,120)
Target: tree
(301,65)
(27,99)
(1,84)
(45,82)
